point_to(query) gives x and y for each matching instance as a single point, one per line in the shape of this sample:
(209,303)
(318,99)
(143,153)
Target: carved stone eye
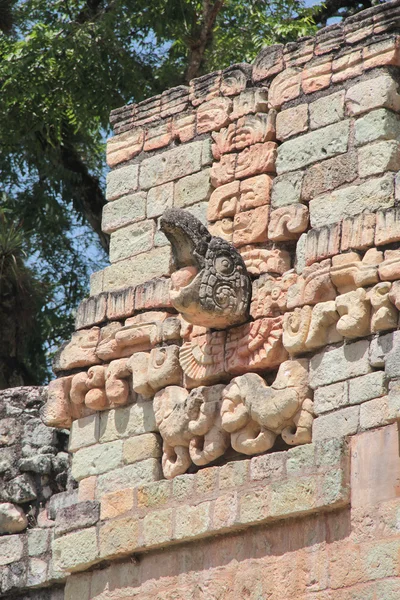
(224,265)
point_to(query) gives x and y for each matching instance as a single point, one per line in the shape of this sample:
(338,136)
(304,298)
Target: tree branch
(331,8)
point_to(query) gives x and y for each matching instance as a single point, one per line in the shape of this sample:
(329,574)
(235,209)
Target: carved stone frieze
(155,370)
(287,222)
(211,286)
(202,359)
(269,298)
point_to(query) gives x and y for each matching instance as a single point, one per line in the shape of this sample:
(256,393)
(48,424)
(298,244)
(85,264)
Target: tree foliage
(64,64)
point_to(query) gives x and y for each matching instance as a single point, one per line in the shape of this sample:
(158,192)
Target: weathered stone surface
(380,124)
(125,211)
(249,101)
(268,62)
(287,222)
(285,87)
(77,516)
(378,158)
(250,227)
(286,189)
(170,165)
(122,181)
(327,110)
(337,424)
(96,459)
(21,489)
(328,175)
(291,121)
(138,269)
(313,147)
(213,115)
(192,189)
(79,352)
(142,447)
(126,421)
(91,311)
(76,550)
(358,232)
(84,432)
(256,159)
(339,364)
(135,474)
(12,518)
(11,549)
(369,196)
(380,92)
(132,240)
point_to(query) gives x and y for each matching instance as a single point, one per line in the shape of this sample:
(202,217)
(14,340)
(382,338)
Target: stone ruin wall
(233,405)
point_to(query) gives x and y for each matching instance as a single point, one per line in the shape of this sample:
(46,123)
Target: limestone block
(122,181)
(222,229)
(159,199)
(313,147)
(38,541)
(141,447)
(124,146)
(223,171)
(12,518)
(192,189)
(213,115)
(268,62)
(381,346)
(260,260)
(11,549)
(338,364)
(256,159)
(355,314)
(76,551)
(77,516)
(334,396)
(96,459)
(122,212)
(79,352)
(313,286)
(384,314)
(286,189)
(358,232)
(380,124)
(389,268)
(137,269)
(338,424)
(202,359)
(373,93)
(379,157)
(317,74)
(372,195)
(291,121)
(255,192)
(284,87)
(223,201)
(329,174)
(269,297)
(367,387)
(131,240)
(126,421)
(327,110)
(249,101)
(387,226)
(139,473)
(287,222)
(298,53)
(349,272)
(255,346)
(84,432)
(322,243)
(251,226)
(96,283)
(170,165)
(375,413)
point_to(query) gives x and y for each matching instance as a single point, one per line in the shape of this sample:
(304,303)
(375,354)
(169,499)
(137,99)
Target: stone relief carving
(211,286)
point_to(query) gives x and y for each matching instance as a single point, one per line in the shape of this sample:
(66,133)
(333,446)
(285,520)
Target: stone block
(380,92)
(206,481)
(322,243)
(235,78)
(192,521)
(76,551)
(193,189)
(327,110)
(153,494)
(91,311)
(127,421)
(285,87)
(96,283)
(152,294)
(294,496)
(12,518)
(121,304)
(138,269)
(291,121)
(213,115)
(233,474)
(158,136)
(330,397)
(11,549)
(124,211)
(381,346)
(174,101)
(119,537)
(379,158)
(338,424)
(372,195)
(254,506)
(313,147)
(339,364)
(256,159)
(61,500)
(392,361)
(141,472)
(182,487)
(329,175)
(317,74)
(268,467)
(375,413)
(159,199)
(358,232)
(125,146)
(225,511)
(157,527)
(249,101)
(367,387)
(142,446)
(347,66)
(184,127)
(87,489)
(380,124)
(132,240)
(286,189)
(38,541)
(251,226)
(268,62)
(97,459)
(122,181)
(21,489)
(78,586)
(84,432)
(115,504)
(170,165)
(300,461)
(78,516)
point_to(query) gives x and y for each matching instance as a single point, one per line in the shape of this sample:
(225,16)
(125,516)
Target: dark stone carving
(211,286)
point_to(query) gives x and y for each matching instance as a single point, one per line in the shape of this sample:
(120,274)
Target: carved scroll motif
(287,222)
